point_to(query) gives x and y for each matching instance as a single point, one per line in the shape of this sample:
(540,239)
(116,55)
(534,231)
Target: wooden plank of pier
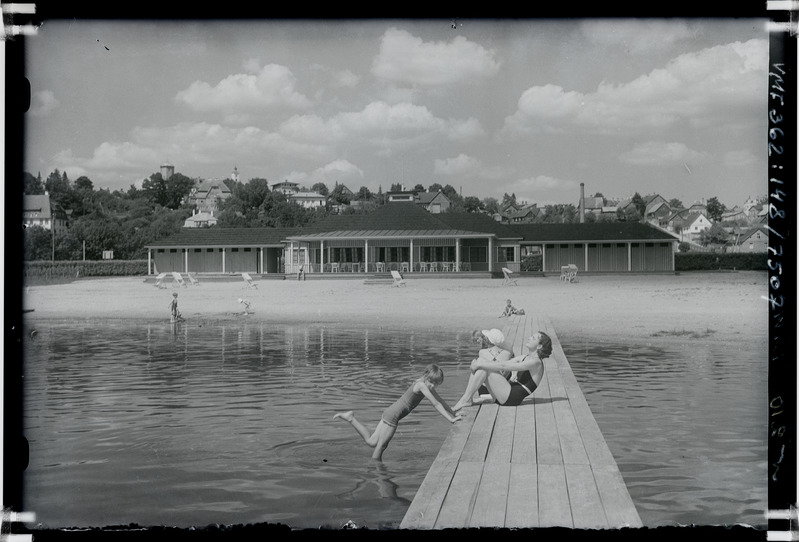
(543,463)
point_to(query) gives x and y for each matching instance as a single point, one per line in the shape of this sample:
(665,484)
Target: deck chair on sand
(398,280)
(248,279)
(177,279)
(159,281)
(571,275)
(508,278)
(193,280)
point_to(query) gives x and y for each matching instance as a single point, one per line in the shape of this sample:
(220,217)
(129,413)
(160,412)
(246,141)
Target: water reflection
(232,423)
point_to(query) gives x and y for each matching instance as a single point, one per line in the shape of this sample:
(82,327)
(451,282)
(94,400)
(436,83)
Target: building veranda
(409,239)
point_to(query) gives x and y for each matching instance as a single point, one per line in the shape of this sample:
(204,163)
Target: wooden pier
(543,463)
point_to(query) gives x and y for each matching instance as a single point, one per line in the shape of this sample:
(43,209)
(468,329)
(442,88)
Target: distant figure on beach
(510,310)
(246,304)
(422,387)
(173,307)
(529,370)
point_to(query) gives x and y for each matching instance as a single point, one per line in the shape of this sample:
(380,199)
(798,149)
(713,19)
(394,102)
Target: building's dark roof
(228,237)
(409,220)
(478,222)
(596,231)
(36,206)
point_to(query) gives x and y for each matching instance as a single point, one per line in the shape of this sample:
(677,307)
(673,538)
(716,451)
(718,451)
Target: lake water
(196,425)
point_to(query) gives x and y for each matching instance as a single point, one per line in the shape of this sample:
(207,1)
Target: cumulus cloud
(407,59)
(269,87)
(657,153)
(42,103)
(698,88)
(380,124)
(541,182)
(459,165)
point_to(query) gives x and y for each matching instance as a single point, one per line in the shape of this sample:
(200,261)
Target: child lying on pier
(424,386)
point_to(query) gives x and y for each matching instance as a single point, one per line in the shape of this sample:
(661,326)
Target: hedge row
(705,261)
(93,268)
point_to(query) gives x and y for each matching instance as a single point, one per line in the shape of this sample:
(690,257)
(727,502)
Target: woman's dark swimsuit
(482,390)
(521,388)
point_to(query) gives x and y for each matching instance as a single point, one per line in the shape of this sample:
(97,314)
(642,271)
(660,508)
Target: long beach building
(406,238)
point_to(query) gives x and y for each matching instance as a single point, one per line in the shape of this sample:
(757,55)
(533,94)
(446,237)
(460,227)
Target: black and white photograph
(397,273)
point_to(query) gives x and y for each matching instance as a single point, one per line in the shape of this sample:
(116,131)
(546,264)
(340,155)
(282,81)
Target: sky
(675,107)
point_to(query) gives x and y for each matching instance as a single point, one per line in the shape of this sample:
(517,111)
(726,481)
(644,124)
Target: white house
(695,224)
(309,200)
(200,220)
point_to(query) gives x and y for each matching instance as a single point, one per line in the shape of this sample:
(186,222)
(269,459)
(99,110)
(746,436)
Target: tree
(419,188)
(339,195)
(676,204)
(491,205)
(37,244)
(471,204)
(363,194)
(59,188)
(320,188)
(170,193)
(435,187)
(559,213)
(714,235)
(396,187)
(640,205)
(715,209)
(508,200)
(31,185)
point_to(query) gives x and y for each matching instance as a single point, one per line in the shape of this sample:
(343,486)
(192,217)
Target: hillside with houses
(70,220)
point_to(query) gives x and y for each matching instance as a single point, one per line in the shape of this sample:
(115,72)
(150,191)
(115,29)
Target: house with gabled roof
(694,224)
(308,199)
(207,194)
(287,188)
(433,202)
(39,210)
(405,237)
(754,240)
(658,212)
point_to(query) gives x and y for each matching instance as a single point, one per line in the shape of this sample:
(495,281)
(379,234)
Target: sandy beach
(709,306)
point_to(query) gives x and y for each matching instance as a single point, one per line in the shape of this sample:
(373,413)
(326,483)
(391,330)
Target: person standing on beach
(173,307)
(422,387)
(529,370)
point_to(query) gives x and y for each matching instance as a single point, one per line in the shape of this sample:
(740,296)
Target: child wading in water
(173,307)
(423,387)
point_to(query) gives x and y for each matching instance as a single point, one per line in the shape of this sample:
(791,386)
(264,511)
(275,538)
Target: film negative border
(18,20)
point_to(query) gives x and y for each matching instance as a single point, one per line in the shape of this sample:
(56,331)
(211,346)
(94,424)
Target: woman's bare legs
(476,379)
(498,387)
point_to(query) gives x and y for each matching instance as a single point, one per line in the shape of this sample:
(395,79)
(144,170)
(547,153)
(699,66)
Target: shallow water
(232,424)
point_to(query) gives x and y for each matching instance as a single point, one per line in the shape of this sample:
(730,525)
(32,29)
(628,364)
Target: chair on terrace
(248,279)
(507,273)
(380,266)
(398,280)
(177,279)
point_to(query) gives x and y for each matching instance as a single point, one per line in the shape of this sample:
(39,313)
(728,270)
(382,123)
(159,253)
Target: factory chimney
(582,203)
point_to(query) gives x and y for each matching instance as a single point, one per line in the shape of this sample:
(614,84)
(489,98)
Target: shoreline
(699,306)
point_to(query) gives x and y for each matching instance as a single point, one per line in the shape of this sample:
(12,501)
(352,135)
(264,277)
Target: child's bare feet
(461,404)
(347,416)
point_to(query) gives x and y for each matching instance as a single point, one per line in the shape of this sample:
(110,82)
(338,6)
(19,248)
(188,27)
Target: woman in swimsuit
(529,372)
(421,388)
(492,348)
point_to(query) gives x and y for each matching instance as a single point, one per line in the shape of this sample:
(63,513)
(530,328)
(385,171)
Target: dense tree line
(125,221)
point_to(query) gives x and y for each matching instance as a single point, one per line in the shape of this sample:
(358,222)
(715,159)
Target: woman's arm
(440,405)
(524,362)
